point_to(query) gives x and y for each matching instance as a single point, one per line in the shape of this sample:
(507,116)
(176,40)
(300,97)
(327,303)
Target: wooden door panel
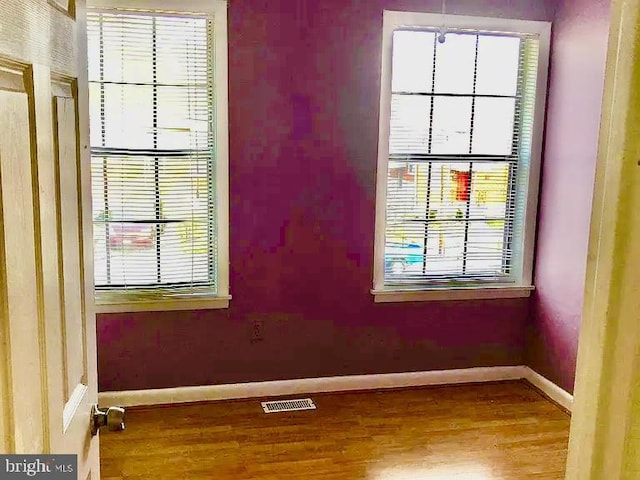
(23,415)
(74,361)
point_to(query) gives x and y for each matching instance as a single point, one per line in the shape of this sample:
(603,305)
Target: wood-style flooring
(469,432)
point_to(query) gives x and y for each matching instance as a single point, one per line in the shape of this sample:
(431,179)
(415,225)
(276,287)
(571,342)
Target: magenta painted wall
(303,104)
(579,46)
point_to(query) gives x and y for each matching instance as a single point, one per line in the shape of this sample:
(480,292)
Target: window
(461,113)
(157,85)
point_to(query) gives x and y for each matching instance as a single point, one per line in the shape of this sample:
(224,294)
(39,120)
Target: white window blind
(459,149)
(153,151)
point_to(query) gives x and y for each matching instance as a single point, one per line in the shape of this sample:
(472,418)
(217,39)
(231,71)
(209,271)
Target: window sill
(390,295)
(161,304)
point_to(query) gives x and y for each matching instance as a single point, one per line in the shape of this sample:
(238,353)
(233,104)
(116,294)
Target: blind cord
(443,29)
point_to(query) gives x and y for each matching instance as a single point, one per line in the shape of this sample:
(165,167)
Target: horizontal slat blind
(152,145)
(459,152)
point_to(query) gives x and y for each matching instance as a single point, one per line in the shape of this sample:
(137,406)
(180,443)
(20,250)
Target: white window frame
(522,286)
(123,301)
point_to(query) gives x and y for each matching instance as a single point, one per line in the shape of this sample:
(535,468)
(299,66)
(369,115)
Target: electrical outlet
(257,330)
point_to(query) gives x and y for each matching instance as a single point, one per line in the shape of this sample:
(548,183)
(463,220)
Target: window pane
(183,118)
(451,125)
(404,252)
(446,245)
(485,247)
(126,48)
(449,190)
(129,249)
(409,124)
(412,59)
(184,188)
(181,50)
(493,126)
(184,253)
(498,59)
(130,188)
(128,116)
(455,60)
(488,192)
(93,51)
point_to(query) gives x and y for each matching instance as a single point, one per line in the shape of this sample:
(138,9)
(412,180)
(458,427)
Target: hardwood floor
(470,432)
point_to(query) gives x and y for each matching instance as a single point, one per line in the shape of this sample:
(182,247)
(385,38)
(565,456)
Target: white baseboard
(205,393)
(129,398)
(550,389)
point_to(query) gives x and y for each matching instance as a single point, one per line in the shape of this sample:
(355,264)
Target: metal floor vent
(288,405)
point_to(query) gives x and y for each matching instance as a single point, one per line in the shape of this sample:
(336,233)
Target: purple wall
(579,46)
(303,99)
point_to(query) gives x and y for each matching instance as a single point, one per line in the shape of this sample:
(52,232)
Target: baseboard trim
(233,391)
(163,396)
(550,389)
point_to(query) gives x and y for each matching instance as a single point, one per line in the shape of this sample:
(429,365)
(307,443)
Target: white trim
(384,129)
(396,19)
(236,391)
(550,389)
(389,295)
(195,6)
(196,303)
(305,386)
(537,137)
(393,20)
(221,75)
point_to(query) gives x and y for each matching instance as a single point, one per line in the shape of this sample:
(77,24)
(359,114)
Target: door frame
(608,367)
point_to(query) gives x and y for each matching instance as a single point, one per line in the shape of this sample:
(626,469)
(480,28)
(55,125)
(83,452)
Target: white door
(47,321)
(605,424)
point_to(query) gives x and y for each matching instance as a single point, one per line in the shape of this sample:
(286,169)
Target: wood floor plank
(495,431)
